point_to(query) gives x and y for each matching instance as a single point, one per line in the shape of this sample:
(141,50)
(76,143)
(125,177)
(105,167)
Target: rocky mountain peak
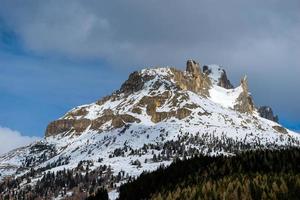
(193,68)
(157,116)
(218,75)
(267,112)
(244,84)
(147,92)
(134,82)
(244,102)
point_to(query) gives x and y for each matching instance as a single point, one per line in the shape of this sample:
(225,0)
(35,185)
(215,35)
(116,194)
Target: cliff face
(77,121)
(220,75)
(148,92)
(267,112)
(244,102)
(192,79)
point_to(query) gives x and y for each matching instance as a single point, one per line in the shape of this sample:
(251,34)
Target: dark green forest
(261,174)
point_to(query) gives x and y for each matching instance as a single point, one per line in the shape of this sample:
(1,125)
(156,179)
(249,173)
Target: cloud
(259,38)
(135,32)
(11,139)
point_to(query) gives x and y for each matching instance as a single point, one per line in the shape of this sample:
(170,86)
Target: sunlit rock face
(77,120)
(245,102)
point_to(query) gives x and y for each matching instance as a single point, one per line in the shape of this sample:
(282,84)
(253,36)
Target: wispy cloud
(11,139)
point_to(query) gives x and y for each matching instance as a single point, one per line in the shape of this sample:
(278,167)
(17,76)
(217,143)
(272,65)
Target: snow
(158,71)
(225,97)
(215,73)
(113,195)
(213,115)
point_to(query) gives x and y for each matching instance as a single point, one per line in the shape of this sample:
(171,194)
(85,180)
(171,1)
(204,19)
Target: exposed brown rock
(117,120)
(79,125)
(134,83)
(98,122)
(244,102)
(153,102)
(244,84)
(108,112)
(160,116)
(280,129)
(66,125)
(193,68)
(191,106)
(192,81)
(120,120)
(77,113)
(103,100)
(137,110)
(182,113)
(58,126)
(224,82)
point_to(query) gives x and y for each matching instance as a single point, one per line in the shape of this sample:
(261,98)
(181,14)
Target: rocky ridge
(158,115)
(192,79)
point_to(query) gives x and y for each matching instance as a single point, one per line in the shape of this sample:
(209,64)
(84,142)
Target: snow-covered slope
(157,116)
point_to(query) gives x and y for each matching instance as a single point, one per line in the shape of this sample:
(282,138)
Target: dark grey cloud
(259,38)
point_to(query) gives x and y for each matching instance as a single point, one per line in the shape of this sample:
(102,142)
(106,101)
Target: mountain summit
(146,92)
(157,116)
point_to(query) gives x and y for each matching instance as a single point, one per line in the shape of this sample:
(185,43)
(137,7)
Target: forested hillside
(263,174)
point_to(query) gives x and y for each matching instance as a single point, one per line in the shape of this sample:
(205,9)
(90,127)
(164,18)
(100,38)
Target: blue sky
(57,55)
(32,96)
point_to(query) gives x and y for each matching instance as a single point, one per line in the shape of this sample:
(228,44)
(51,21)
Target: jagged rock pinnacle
(244,84)
(193,67)
(245,102)
(222,80)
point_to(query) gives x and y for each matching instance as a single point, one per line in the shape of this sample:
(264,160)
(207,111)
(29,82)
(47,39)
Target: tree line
(261,174)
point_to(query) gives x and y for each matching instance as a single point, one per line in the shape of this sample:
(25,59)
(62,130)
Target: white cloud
(11,139)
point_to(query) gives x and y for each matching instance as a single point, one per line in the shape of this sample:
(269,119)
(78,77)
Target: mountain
(158,115)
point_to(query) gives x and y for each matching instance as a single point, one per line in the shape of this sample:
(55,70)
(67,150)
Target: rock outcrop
(280,129)
(134,83)
(193,79)
(152,103)
(193,68)
(77,126)
(67,125)
(223,81)
(244,102)
(165,88)
(267,112)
